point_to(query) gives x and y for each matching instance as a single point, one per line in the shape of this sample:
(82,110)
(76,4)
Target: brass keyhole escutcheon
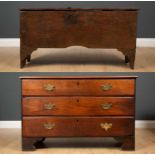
(106,126)
(106,87)
(49,87)
(106,106)
(49,126)
(49,106)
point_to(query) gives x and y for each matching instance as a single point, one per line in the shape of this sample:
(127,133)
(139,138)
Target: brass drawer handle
(49,106)
(49,126)
(49,87)
(106,106)
(106,126)
(106,87)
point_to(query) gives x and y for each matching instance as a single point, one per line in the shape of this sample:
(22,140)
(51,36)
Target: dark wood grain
(73,87)
(78,9)
(82,106)
(77,108)
(77,126)
(92,28)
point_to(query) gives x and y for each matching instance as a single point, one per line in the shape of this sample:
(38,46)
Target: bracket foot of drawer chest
(78,106)
(30,144)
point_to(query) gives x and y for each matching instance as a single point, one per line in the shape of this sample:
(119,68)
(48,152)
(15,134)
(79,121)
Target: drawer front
(84,106)
(73,87)
(110,28)
(77,126)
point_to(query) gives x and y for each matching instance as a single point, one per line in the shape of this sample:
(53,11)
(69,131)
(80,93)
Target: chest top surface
(78,77)
(78,9)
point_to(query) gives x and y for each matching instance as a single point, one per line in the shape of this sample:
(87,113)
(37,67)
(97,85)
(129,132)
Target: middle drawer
(84,106)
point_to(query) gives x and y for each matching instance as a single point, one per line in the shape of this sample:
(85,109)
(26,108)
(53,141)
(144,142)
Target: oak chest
(92,28)
(78,106)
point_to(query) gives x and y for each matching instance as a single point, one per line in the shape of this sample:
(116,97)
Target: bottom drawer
(77,126)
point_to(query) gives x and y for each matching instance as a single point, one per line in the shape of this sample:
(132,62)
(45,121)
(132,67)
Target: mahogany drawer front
(72,106)
(75,87)
(105,26)
(77,126)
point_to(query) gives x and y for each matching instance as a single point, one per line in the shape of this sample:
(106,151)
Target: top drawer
(78,87)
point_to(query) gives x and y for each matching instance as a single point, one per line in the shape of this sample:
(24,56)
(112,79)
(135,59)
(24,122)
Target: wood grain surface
(82,106)
(90,28)
(73,87)
(77,126)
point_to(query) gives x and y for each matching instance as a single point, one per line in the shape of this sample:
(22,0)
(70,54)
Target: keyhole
(69,7)
(78,83)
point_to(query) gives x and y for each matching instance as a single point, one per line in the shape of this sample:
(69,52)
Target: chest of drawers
(78,106)
(92,28)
